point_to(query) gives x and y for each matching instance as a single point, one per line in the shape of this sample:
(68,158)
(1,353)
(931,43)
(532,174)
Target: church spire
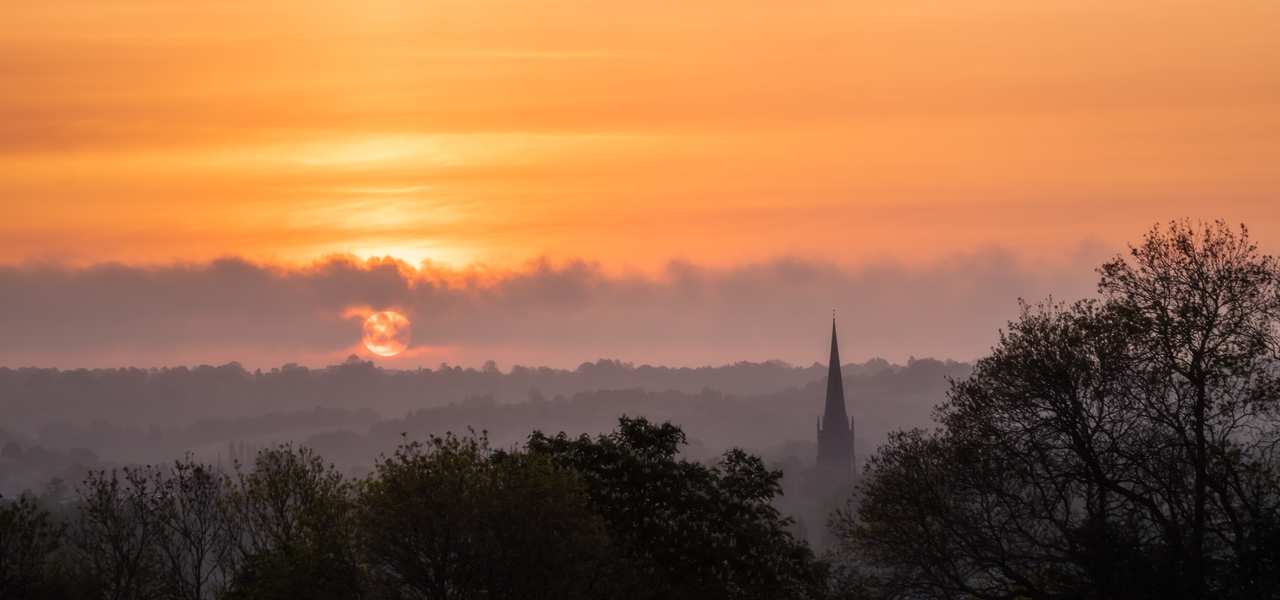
(835,429)
(834,412)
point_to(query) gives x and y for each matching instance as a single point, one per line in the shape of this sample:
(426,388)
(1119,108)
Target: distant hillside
(58,420)
(34,396)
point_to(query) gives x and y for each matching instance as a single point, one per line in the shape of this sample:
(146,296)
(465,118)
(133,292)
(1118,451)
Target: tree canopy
(682,529)
(618,516)
(1123,446)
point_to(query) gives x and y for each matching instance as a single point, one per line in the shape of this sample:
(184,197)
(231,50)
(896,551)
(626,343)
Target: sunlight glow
(386,333)
(363,152)
(507,131)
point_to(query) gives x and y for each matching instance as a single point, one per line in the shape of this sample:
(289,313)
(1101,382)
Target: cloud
(544,313)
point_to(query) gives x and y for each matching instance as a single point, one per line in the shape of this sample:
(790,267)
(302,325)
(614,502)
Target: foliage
(682,529)
(450,518)
(294,528)
(1123,447)
(620,516)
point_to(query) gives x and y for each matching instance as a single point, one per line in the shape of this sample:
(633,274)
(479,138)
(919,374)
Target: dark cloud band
(542,313)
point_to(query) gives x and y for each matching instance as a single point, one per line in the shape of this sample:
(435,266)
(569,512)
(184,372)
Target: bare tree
(28,539)
(193,538)
(116,532)
(1205,307)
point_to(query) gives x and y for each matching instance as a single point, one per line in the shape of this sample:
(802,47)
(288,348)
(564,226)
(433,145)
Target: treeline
(179,395)
(614,516)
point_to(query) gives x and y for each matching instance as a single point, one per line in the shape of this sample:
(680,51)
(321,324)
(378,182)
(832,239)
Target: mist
(60,423)
(141,363)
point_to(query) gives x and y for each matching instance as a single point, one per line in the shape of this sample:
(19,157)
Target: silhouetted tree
(116,532)
(28,540)
(682,529)
(194,537)
(450,518)
(294,530)
(1115,448)
(150,532)
(1203,308)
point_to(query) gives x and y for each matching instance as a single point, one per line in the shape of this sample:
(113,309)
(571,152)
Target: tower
(835,428)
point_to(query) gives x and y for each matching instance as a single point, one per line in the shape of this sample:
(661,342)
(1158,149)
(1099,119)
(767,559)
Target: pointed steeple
(835,428)
(834,412)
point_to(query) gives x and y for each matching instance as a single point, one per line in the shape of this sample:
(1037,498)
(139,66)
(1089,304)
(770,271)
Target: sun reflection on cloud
(410,223)
(416,255)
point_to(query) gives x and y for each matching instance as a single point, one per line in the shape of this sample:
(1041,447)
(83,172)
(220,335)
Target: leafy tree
(295,528)
(682,529)
(451,518)
(1123,447)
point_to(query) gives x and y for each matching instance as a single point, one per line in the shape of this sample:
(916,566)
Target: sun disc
(386,333)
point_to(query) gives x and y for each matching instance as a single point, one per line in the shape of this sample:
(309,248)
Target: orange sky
(717,131)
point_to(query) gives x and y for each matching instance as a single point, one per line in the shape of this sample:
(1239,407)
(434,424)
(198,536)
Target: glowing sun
(386,333)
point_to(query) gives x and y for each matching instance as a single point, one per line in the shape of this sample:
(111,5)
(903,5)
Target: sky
(551,179)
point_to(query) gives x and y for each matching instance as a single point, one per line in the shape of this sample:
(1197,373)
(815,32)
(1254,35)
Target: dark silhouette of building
(835,428)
